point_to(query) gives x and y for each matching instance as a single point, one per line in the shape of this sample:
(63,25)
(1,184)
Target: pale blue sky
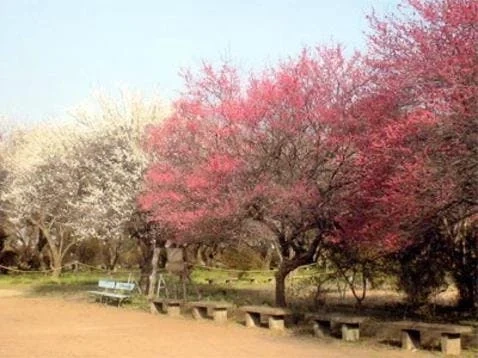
(54,53)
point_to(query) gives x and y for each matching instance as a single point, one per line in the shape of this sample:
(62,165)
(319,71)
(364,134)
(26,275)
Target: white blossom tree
(112,164)
(41,186)
(80,180)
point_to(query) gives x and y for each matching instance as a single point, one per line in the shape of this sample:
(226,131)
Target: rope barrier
(108,271)
(61,268)
(243,271)
(92,267)
(32,271)
(231,270)
(202,267)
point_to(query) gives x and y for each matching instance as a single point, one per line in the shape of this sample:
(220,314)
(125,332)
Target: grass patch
(68,284)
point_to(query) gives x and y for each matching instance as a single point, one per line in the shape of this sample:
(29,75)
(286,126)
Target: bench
(450,335)
(349,325)
(474,335)
(113,291)
(172,307)
(204,309)
(274,316)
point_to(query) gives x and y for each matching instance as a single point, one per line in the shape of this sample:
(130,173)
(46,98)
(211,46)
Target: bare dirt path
(11,292)
(53,328)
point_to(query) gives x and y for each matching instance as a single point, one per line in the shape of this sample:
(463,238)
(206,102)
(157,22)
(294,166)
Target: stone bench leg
(253,319)
(156,308)
(350,332)
(276,323)
(451,344)
(199,312)
(321,328)
(410,339)
(219,315)
(173,310)
(209,311)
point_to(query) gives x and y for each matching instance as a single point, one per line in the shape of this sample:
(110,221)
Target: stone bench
(204,309)
(349,325)
(474,336)
(450,335)
(172,307)
(274,316)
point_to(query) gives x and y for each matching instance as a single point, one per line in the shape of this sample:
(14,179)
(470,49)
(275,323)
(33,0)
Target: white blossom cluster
(82,178)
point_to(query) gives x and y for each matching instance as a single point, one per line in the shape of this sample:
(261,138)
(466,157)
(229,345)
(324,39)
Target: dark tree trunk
(468,290)
(289,265)
(280,276)
(466,279)
(146,254)
(465,271)
(40,245)
(208,255)
(112,257)
(3,237)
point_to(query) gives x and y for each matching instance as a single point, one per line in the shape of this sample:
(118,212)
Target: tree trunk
(145,250)
(268,258)
(208,254)
(466,281)
(55,263)
(3,238)
(288,265)
(465,270)
(58,246)
(199,255)
(154,271)
(280,298)
(113,256)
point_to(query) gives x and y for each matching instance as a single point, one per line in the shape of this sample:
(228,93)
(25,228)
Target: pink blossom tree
(418,158)
(277,149)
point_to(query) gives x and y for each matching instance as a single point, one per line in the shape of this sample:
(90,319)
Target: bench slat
(106,284)
(125,286)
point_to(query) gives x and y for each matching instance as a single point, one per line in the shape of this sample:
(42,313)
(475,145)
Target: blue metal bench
(113,291)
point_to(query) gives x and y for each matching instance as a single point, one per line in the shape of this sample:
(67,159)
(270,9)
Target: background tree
(3,233)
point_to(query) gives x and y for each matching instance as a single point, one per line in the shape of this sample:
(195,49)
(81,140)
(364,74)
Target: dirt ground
(51,328)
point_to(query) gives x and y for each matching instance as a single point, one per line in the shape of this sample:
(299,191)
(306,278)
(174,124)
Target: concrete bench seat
(172,307)
(450,335)
(113,291)
(274,316)
(473,337)
(204,309)
(349,325)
